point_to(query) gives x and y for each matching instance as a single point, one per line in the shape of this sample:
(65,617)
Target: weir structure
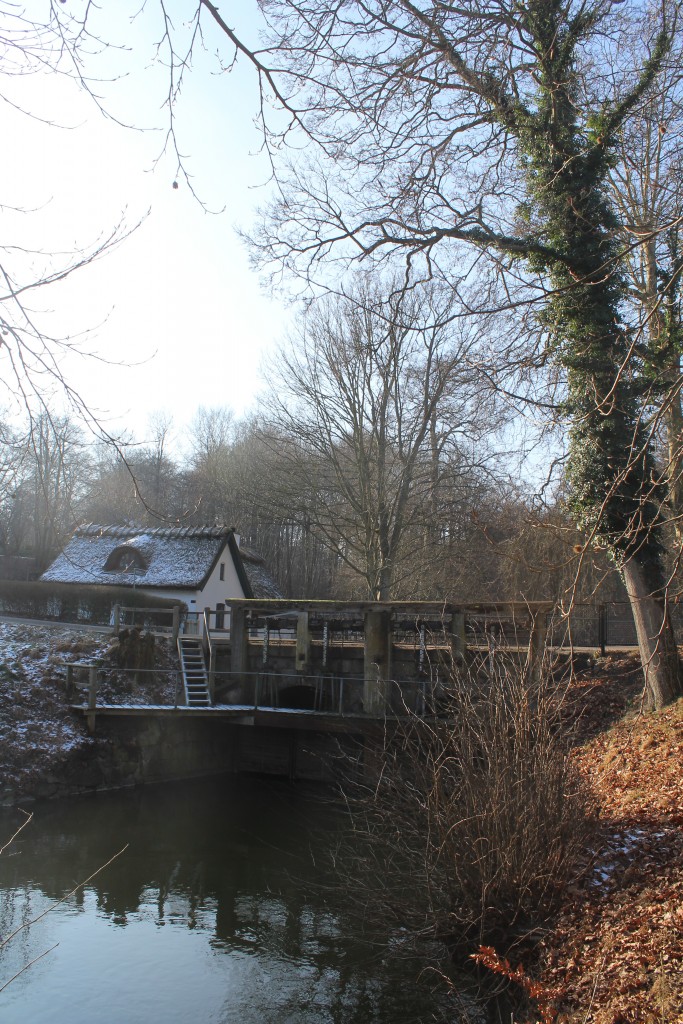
(325,660)
(305,688)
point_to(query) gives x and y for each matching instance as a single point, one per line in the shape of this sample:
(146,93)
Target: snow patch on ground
(627,847)
(39,731)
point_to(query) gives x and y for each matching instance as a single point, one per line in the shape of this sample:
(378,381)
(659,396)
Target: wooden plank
(440,610)
(458,638)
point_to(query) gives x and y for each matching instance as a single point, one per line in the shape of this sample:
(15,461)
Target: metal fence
(603,626)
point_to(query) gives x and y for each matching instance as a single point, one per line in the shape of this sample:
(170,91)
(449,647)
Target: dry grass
(475,820)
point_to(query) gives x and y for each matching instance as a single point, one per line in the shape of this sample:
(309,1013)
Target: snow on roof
(177,557)
(166,557)
(262,583)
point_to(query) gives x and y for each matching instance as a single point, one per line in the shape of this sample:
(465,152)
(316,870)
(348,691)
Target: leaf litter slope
(616,950)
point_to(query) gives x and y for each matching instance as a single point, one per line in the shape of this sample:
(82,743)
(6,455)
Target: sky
(175,315)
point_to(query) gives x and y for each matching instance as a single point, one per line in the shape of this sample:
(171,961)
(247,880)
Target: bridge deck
(243,714)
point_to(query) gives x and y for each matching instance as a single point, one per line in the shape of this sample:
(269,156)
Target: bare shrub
(473,823)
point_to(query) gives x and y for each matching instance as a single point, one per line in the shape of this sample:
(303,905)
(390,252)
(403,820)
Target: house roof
(170,557)
(262,584)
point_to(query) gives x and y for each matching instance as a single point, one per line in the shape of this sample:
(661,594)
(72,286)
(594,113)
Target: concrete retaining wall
(132,752)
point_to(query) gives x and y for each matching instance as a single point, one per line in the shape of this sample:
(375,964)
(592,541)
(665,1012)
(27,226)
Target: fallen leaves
(617,948)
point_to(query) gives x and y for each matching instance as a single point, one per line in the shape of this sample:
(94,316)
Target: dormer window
(125,559)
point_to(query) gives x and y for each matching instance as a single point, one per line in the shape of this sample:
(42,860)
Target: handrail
(70,684)
(212,614)
(211,651)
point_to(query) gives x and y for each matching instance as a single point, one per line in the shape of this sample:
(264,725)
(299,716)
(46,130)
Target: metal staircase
(195,679)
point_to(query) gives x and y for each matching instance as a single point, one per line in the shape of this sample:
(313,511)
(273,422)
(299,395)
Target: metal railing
(287,692)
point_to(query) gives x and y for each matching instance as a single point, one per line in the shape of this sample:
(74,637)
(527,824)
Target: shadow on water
(223,908)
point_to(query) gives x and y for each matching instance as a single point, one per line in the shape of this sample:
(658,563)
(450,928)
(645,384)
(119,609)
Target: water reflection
(222,909)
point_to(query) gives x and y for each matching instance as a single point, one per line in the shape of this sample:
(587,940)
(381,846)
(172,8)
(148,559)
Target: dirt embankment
(45,748)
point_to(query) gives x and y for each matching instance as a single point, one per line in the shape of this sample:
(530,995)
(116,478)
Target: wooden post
(117,619)
(373,755)
(377,661)
(176,622)
(303,642)
(458,638)
(92,697)
(537,637)
(239,642)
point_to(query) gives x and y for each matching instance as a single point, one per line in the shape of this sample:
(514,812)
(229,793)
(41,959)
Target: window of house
(125,559)
(222,571)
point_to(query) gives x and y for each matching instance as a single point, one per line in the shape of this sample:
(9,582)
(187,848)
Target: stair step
(194,673)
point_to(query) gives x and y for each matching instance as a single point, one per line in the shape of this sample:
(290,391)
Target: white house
(203,566)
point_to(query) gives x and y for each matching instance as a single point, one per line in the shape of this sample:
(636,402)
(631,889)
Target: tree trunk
(656,641)
(674,432)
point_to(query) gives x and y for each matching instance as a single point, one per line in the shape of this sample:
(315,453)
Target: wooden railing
(125,616)
(72,684)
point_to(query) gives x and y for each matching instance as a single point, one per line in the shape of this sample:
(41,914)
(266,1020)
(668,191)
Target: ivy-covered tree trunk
(615,496)
(656,641)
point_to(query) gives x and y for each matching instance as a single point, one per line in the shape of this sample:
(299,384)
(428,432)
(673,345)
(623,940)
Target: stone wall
(134,751)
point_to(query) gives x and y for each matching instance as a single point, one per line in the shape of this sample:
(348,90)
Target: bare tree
(14,525)
(161,469)
(52,490)
(373,406)
(212,433)
(134,482)
(648,192)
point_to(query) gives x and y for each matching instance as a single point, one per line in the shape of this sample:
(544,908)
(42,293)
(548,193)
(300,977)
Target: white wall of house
(215,591)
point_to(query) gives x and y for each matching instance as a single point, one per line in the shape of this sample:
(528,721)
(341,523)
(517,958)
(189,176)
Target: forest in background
(477,535)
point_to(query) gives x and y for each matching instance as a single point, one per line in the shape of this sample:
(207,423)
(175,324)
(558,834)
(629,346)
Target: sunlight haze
(174,311)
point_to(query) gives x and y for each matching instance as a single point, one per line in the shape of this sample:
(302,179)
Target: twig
(58,903)
(29,816)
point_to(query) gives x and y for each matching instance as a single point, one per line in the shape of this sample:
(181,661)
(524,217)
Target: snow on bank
(39,733)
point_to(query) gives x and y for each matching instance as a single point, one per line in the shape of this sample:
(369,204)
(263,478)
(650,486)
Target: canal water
(224,909)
